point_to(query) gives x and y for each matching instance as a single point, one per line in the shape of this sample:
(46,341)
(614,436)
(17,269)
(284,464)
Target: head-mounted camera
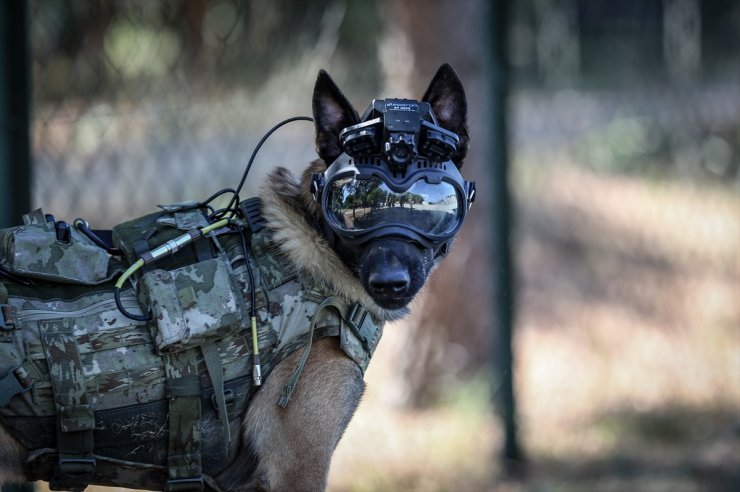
(400,130)
(395,178)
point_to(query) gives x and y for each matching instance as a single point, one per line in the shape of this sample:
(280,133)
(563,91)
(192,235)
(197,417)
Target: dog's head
(391,267)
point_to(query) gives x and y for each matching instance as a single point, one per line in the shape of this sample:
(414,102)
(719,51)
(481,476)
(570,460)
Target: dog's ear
(331,114)
(447,97)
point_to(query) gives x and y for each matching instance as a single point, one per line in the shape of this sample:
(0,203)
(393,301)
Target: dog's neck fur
(290,209)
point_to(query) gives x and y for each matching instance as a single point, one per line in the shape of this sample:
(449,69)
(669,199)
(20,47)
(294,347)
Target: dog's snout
(392,271)
(394,281)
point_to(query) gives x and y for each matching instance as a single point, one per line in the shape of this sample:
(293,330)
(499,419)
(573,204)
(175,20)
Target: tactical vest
(98,398)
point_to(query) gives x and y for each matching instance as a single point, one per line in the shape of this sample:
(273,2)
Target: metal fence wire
(138,103)
(624,174)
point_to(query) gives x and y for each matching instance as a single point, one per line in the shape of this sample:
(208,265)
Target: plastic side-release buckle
(13,383)
(77,467)
(73,473)
(8,322)
(185,485)
(229,398)
(7,317)
(366,328)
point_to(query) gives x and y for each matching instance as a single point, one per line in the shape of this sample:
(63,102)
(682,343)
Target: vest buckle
(185,485)
(76,467)
(7,317)
(15,382)
(73,473)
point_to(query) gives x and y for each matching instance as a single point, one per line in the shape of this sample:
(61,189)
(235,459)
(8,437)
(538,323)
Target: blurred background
(617,193)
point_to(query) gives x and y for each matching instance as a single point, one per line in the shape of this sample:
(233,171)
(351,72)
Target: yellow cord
(140,263)
(125,275)
(255,344)
(214,226)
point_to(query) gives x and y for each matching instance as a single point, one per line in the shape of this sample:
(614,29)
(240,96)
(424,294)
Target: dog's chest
(81,352)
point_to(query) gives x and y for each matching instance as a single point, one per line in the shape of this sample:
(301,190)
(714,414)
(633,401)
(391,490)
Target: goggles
(395,179)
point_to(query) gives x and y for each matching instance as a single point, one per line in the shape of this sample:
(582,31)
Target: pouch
(193,304)
(32,250)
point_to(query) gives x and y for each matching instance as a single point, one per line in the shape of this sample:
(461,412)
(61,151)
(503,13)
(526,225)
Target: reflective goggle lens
(356,204)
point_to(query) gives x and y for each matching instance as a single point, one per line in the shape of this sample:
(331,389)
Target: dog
(291,448)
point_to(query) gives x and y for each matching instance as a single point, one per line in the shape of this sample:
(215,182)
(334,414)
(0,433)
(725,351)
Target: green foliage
(136,50)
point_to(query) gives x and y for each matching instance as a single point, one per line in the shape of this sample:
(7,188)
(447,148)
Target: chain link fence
(625,145)
(138,103)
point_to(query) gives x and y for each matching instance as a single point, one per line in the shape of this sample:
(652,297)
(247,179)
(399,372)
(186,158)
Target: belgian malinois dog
(381,267)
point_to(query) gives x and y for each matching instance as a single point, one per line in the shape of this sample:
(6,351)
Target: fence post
(500,213)
(15,152)
(15,113)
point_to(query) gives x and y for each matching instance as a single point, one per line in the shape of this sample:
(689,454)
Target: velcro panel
(63,357)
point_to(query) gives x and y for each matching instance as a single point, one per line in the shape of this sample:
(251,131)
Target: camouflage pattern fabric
(142,390)
(194,303)
(32,250)
(75,417)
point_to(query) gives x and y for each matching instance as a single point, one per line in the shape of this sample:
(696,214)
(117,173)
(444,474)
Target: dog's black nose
(391,281)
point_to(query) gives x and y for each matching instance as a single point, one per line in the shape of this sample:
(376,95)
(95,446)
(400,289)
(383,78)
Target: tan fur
(295,444)
(12,455)
(292,446)
(290,449)
(283,198)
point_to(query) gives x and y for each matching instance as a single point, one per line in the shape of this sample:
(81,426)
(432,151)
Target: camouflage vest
(98,398)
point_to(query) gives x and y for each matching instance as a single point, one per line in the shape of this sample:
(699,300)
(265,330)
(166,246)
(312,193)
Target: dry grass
(627,347)
(629,332)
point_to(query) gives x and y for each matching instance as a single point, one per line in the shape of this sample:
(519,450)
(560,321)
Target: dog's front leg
(294,445)
(12,454)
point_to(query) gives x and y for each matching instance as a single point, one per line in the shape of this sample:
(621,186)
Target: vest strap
(289,387)
(7,317)
(216,372)
(184,469)
(75,415)
(8,321)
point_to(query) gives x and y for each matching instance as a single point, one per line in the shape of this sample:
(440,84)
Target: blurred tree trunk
(449,333)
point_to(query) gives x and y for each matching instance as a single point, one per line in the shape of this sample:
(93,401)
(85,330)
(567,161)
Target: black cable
(216,195)
(250,274)
(256,359)
(84,227)
(217,213)
(135,317)
(10,276)
(230,206)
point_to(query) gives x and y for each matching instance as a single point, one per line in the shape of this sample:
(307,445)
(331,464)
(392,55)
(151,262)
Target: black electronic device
(399,130)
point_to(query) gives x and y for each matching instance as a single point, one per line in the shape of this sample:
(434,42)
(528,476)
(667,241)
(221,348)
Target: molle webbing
(363,330)
(184,467)
(119,402)
(75,418)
